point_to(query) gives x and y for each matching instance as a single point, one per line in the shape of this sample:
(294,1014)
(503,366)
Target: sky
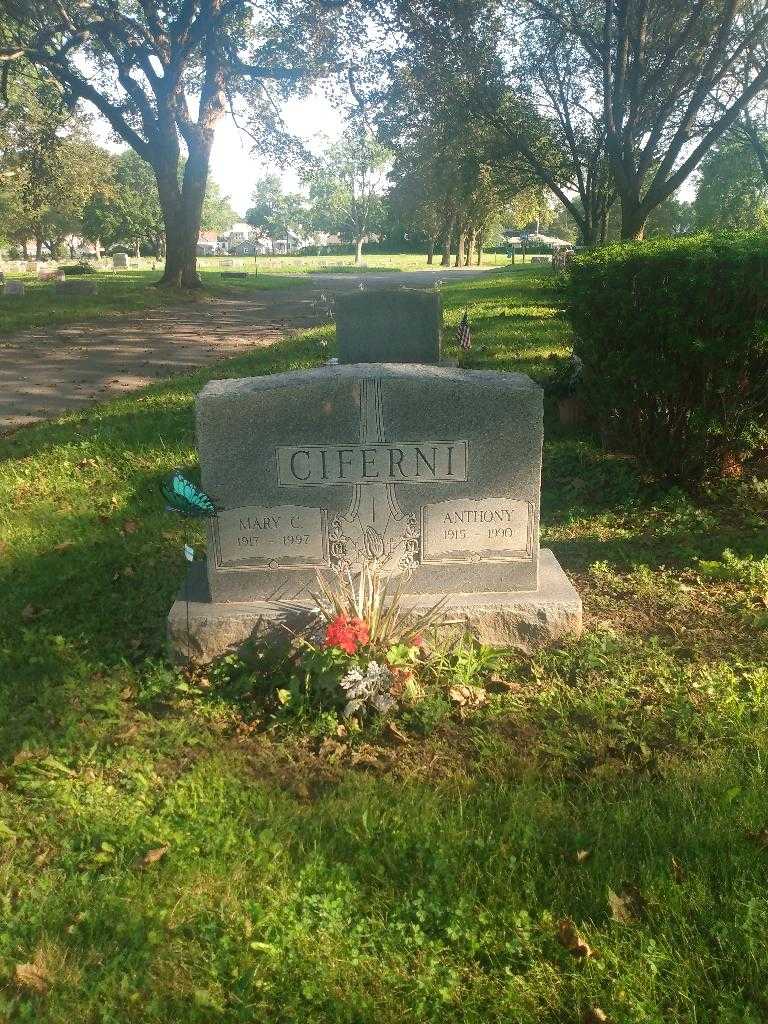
(236,165)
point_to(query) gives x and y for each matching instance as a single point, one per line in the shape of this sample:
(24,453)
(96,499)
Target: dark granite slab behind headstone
(389,326)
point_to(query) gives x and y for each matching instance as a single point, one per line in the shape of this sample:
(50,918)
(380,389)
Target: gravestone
(429,472)
(31,267)
(389,326)
(120,261)
(14,288)
(234,273)
(74,289)
(226,263)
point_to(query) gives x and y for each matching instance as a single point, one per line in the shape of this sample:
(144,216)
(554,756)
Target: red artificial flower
(346,633)
(417,641)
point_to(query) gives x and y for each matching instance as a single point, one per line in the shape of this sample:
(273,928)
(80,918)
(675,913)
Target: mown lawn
(125,291)
(128,291)
(618,781)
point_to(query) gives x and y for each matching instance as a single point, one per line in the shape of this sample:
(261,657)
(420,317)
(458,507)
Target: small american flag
(463,334)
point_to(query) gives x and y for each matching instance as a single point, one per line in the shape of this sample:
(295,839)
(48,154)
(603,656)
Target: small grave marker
(389,326)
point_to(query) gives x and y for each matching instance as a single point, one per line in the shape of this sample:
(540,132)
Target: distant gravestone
(46,274)
(541,259)
(120,261)
(234,273)
(13,288)
(389,326)
(226,263)
(429,473)
(74,289)
(32,266)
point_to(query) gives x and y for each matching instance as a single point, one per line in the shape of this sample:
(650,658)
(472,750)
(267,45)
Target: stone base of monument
(200,630)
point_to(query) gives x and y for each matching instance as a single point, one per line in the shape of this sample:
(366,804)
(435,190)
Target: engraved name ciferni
(403,463)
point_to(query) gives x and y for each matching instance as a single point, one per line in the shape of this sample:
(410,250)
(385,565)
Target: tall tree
(164,72)
(346,186)
(49,167)
(732,193)
(275,211)
(663,75)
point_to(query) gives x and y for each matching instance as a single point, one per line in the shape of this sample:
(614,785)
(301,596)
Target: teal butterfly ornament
(186,498)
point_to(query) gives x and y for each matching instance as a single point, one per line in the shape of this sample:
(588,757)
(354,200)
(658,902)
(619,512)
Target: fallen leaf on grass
(677,870)
(129,733)
(508,685)
(32,976)
(129,526)
(760,837)
(4,548)
(627,906)
(569,938)
(153,856)
(396,733)
(64,546)
(582,855)
(595,1016)
(468,696)
(29,612)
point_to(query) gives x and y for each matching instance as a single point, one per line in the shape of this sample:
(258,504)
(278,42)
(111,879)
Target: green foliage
(346,185)
(732,193)
(275,211)
(672,334)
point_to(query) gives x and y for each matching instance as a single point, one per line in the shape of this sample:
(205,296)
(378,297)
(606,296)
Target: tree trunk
(445,259)
(471,242)
(38,247)
(138,248)
(479,244)
(430,251)
(97,248)
(182,208)
(359,250)
(633,219)
(460,249)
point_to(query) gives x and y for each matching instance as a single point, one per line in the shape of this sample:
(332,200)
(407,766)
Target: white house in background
(246,237)
(536,238)
(207,243)
(322,238)
(281,246)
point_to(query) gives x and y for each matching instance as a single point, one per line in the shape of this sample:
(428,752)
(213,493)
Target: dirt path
(47,371)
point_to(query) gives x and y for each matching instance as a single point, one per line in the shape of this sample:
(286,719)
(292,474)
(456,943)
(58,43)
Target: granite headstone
(120,261)
(14,288)
(430,473)
(74,289)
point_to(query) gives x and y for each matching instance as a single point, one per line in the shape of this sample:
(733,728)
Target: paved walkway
(47,371)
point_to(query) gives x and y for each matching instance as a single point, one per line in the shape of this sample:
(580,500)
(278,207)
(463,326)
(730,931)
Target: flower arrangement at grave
(361,658)
(373,643)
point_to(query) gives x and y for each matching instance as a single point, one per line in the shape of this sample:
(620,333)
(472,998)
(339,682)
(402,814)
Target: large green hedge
(673,334)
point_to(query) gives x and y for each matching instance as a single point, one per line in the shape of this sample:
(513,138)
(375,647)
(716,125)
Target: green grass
(128,291)
(333,264)
(125,291)
(315,881)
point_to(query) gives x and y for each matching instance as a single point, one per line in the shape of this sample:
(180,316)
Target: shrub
(673,337)
(73,269)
